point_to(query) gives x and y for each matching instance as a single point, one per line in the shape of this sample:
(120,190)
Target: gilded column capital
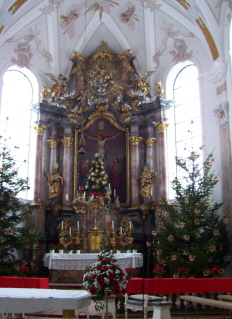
(67,141)
(135,140)
(149,141)
(40,129)
(53,143)
(161,126)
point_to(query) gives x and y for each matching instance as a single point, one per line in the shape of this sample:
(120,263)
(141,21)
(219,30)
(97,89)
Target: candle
(109,186)
(130,224)
(70,230)
(121,230)
(62,224)
(78,225)
(112,224)
(67,197)
(84,194)
(114,192)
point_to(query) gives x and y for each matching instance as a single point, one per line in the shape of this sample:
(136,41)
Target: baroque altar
(104,109)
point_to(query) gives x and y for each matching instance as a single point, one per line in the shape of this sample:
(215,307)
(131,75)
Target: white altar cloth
(26,300)
(81,261)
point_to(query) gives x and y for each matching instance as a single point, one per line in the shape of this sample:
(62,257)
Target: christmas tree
(192,237)
(14,235)
(97,181)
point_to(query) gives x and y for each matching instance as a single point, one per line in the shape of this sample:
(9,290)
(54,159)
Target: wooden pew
(205,301)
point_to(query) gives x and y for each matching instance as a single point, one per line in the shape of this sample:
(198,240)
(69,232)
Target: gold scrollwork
(149,141)
(40,129)
(162,126)
(135,140)
(67,141)
(53,143)
(144,210)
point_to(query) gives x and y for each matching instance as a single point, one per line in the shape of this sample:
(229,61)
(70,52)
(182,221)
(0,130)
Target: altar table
(24,282)
(178,285)
(81,261)
(20,300)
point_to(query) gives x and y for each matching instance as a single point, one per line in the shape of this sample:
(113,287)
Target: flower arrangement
(134,246)
(183,271)
(118,246)
(159,271)
(52,247)
(104,278)
(215,271)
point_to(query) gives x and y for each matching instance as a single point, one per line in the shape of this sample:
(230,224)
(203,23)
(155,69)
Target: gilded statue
(140,84)
(59,88)
(55,183)
(146,180)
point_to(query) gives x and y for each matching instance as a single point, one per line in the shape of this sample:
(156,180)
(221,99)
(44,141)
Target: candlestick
(84,194)
(112,224)
(70,230)
(78,225)
(62,224)
(121,230)
(109,187)
(130,224)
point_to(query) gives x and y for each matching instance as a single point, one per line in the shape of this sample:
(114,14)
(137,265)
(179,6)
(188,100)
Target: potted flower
(183,272)
(23,270)
(134,247)
(130,271)
(77,248)
(159,271)
(51,248)
(215,272)
(60,248)
(104,278)
(119,248)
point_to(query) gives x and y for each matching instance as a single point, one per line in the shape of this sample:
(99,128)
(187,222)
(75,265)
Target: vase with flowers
(159,271)
(60,248)
(119,248)
(76,248)
(104,278)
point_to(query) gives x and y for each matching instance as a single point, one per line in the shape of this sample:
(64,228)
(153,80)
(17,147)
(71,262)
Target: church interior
(121,93)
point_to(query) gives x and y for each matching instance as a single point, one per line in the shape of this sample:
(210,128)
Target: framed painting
(111,142)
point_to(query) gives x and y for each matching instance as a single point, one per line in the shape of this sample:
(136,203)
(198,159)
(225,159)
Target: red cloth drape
(178,285)
(23,282)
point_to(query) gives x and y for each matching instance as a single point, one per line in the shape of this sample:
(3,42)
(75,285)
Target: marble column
(149,141)
(67,170)
(39,129)
(162,174)
(135,169)
(54,152)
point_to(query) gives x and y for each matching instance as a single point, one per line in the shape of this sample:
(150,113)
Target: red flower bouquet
(104,278)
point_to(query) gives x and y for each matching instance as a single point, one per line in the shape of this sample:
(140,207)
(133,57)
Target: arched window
(19,92)
(185,131)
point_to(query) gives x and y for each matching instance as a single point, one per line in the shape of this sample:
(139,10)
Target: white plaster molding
(217,75)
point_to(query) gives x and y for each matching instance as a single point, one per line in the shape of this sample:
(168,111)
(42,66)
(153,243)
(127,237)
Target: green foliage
(191,232)
(97,181)
(15,235)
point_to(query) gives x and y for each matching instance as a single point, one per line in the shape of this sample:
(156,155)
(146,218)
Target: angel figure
(140,84)
(59,87)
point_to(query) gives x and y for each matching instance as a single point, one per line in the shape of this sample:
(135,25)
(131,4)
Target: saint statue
(146,180)
(55,183)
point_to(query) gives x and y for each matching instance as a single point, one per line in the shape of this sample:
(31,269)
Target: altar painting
(111,143)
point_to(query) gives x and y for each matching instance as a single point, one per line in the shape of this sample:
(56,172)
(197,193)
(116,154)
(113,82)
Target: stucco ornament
(101,6)
(180,53)
(150,4)
(128,16)
(53,4)
(222,114)
(23,55)
(68,21)
(5,18)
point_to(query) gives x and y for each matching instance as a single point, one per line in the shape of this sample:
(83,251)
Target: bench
(205,301)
